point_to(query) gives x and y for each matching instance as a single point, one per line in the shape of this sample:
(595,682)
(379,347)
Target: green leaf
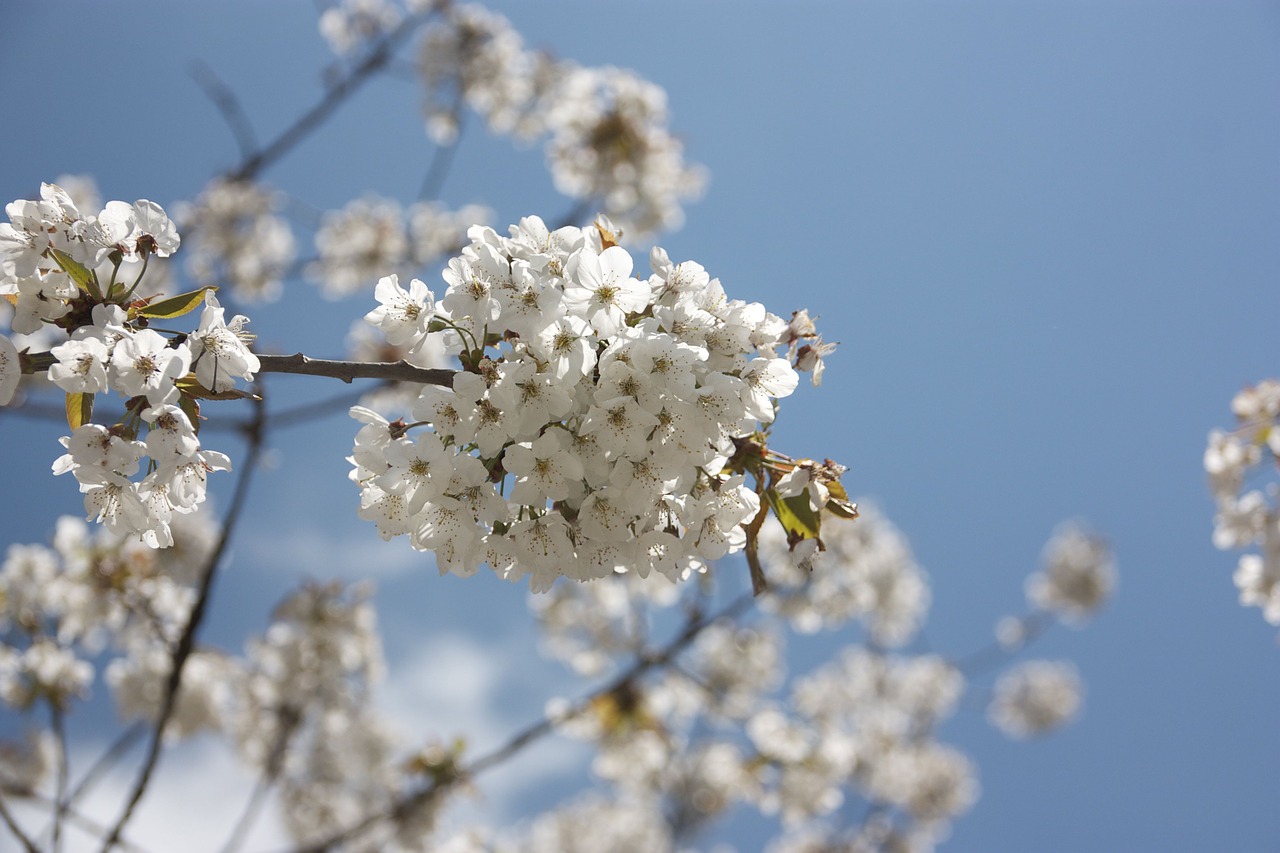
(80,274)
(79,409)
(839,504)
(796,514)
(175,306)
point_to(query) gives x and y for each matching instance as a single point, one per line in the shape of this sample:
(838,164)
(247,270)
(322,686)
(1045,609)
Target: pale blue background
(1044,233)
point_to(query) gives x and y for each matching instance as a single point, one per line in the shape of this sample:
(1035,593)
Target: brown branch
(396,371)
(228,104)
(186,643)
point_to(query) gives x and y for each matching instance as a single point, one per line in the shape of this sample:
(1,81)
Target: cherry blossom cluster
(374,236)
(62,605)
(62,268)
(607,129)
(590,429)
(1077,578)
(1036,697)
(1248,515)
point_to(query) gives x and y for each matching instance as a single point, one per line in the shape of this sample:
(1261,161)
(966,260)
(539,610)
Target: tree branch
(396,371)
(186,643)
(336,94)
(228,104)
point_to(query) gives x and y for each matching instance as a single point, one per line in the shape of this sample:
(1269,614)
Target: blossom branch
(186,643)
(396,371)
(266,781)
(84,823)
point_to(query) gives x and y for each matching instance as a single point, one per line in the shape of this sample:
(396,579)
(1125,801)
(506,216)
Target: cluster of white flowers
(373,236)
(305,691)
(1035,697)
(605,406)
(1250,518)
(297,704)
(89,592)
(352,24)
(63,268)
(47,244)
(240,240)
(608,135)
(1078,575)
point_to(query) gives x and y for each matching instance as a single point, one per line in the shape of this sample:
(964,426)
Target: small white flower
(143,363)
(402,315)
(219,353)
(81,366)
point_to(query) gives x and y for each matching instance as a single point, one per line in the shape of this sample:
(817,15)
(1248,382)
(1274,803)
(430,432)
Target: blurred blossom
(240,241)
(867,573)
(1077,577)
(1035,697)
(1251,519)
(350,25)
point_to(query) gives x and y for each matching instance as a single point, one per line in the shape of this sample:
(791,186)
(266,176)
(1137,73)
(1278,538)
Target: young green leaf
(80,274)
(79,409)
(175,306)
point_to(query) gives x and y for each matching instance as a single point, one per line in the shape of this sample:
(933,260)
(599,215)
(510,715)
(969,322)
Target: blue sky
(1044,234)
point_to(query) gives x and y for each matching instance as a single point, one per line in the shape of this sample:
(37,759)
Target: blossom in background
(1246,519)
(1035,697)
(1077,577)
(240,240)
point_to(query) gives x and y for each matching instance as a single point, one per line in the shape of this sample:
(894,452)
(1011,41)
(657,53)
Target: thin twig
(270,774)
(442,159)
(105,761)
(186,643)
(1032,626)
(84,823)
(58,724)
(228,104)
(23,838)
(307,412)
(398,371)
(336,94)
